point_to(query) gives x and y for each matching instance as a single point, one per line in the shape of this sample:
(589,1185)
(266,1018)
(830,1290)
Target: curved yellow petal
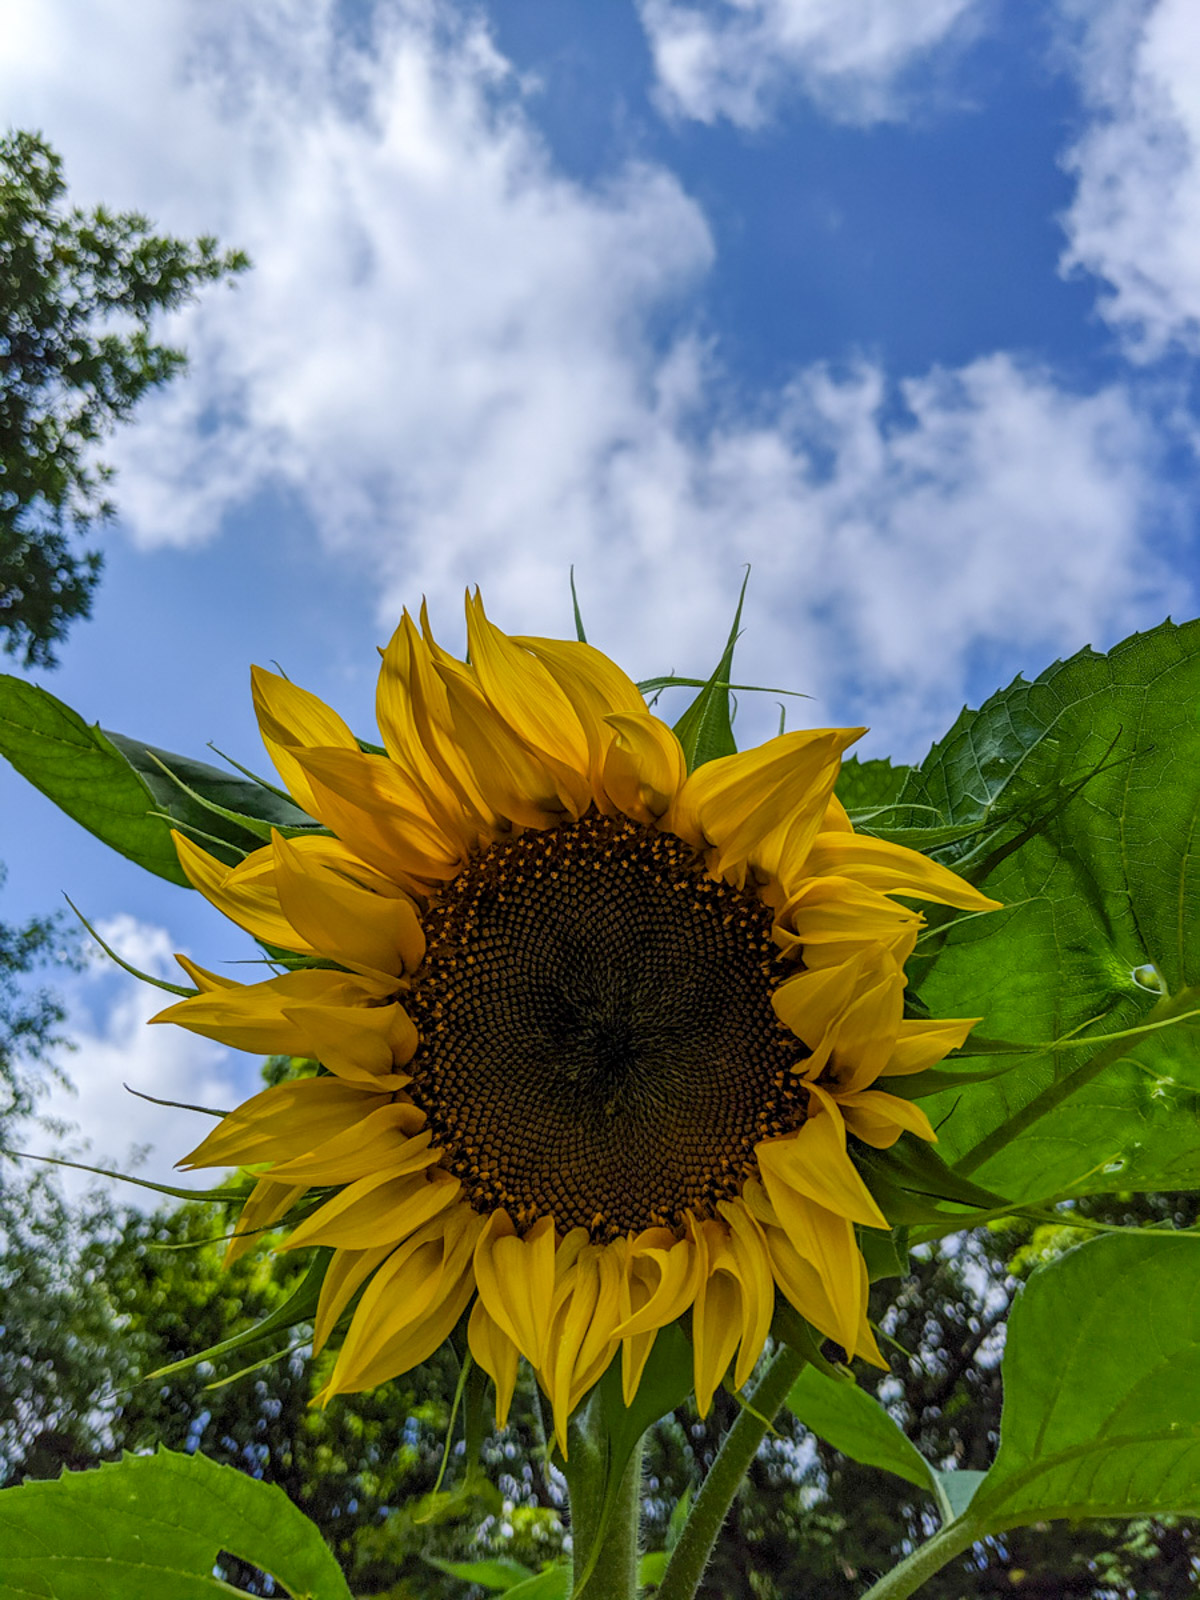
(840,911)
(414,721)
(581,1339)
(255,1016)
(269,1201)
(596,688)
(812,1164)
(377,934)
(923,1042)
(376,1210)
(518,785)
(410,1305)
(892,869)
(657,1286)
(348,1270)
(365,1044)
(246,894)
(290,718)
(516,1280)
(757,1285)
(496,1354)
(717,1314)
(390,1140)
(761,809)
(287,1120)
(525,694)
(879,1119)
(645,767)
(382,814)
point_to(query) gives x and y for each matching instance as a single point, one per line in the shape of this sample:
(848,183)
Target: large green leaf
(149,1527)
(118,788)
(1101,1386)
(1097,763)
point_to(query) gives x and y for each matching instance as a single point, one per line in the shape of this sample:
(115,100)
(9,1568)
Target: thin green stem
(925,1560)
(690,1555)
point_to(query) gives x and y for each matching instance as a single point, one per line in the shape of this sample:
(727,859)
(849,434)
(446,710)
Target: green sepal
(886,1254)
(300,1306)
(913,1184)
(705,730)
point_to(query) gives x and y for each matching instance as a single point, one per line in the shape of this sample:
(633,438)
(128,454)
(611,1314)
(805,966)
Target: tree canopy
(79,290)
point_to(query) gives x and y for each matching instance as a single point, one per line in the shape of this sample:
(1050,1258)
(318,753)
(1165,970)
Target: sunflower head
(596,1033)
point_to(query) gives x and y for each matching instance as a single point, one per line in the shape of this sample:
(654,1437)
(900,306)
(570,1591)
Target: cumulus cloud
(1135,218)
(114,1052)
(738,58)
(465,367)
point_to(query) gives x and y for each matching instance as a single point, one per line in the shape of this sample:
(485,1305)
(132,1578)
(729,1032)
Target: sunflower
(595,1033)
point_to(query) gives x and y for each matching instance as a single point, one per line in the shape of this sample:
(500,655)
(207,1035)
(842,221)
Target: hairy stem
(925,1560)
(690,1555)
(604,1524)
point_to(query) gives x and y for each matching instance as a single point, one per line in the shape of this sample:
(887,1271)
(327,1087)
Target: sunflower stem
(605,1518)
(690,1556)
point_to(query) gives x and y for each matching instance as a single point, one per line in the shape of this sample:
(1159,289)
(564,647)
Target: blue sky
(896,300)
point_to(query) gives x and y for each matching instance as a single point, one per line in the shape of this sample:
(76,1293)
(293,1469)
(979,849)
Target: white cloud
(738,58)
(1135,218)
(460,364)
(115,1052)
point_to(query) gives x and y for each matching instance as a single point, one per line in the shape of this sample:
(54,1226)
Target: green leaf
(496,1573)
(552,1583)
(115,787)
(705,730)
(867,787)
(148,1527)
(886,1254)
(853,1422)
(913,1184)
(1102,930)
(1101,1386)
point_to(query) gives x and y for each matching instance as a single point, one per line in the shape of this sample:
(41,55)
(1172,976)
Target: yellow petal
(382,814)
(386,1141)
(757,1285)
(377,934)
(411,1304)
(289,1119)
(517,784)
(879,1119)
(251,1016)
(595,686)
(414,721)
(892,869)
(290,718)
(516,1280)
(496,1354)
(364,1044)
(717,1312)
(524,693)
(923,1043)
(375,1210)
(246,894)
(582,1338)
(761,809)
(837,910)
(645,767)
(268,1202)
(813,1163)
(348,1270)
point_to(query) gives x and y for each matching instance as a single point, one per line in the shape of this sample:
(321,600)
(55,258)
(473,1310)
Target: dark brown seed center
(597,1038)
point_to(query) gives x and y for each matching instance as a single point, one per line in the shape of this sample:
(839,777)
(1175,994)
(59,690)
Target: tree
(78,292)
